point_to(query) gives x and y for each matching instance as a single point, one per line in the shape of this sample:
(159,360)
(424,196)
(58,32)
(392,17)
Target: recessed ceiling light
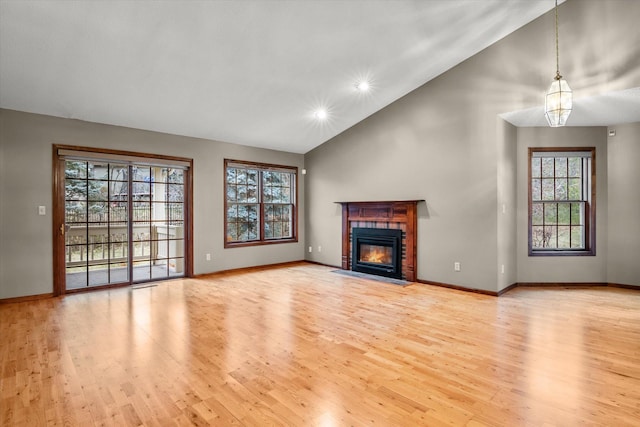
(320,114)
(362,86)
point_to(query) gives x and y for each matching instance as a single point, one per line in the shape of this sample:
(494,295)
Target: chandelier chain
(558,76)
(558,101)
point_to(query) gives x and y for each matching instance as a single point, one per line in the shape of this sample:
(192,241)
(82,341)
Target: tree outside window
(260,201)
(561,201)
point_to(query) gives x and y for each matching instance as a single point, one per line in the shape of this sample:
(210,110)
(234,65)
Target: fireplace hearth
(377,251)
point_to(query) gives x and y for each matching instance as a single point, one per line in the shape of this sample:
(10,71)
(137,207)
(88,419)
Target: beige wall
(443,143)
(25,183)
(507,227)
(571,268)
(623,233)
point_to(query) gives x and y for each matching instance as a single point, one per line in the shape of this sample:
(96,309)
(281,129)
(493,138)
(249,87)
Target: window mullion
(569,203)
(261,208)
(555,182)
(555,199)
(556,226)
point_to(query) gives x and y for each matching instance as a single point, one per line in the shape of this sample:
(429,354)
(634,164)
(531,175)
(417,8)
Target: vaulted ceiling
(246,71)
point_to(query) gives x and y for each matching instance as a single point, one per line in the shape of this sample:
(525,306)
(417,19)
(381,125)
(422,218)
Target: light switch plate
(42,210)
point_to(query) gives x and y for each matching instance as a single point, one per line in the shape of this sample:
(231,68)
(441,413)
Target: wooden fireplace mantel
(402,212)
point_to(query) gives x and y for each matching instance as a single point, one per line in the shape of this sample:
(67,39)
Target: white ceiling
(601,110)
(246,71)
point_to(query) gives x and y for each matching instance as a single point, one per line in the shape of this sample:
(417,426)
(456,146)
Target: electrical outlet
(208,257)
(502,268)
(310,249)
(319,248)
(456,266)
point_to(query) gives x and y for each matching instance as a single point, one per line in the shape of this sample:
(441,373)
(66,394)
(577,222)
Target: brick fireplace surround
(393,215)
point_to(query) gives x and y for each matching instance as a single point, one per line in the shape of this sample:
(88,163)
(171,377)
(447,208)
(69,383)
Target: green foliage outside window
(560,189)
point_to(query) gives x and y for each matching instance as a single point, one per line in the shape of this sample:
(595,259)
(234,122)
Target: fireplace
(377,251)
(396,217)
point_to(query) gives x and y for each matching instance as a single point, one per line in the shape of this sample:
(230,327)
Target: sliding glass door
(157,222)
(124,222)
(96,225)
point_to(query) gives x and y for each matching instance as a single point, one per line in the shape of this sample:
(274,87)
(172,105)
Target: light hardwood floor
(303,346)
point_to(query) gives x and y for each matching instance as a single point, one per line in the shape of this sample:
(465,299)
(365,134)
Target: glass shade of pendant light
(558,101)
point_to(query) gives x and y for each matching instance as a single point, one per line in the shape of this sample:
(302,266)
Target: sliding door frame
(58,210)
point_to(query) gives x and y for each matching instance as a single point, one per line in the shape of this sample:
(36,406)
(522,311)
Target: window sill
(552,253)
(228,245)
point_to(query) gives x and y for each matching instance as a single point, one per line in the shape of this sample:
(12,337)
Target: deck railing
(107,243)
(141,213)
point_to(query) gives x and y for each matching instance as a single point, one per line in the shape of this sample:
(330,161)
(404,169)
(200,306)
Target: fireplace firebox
(377,251)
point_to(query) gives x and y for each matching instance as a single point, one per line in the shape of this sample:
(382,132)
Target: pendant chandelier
(558,101)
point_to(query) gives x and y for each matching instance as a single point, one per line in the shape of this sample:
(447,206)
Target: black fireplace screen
(377,251)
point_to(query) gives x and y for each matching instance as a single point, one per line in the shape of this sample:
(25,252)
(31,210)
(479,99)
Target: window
(561,201)
(260,203)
